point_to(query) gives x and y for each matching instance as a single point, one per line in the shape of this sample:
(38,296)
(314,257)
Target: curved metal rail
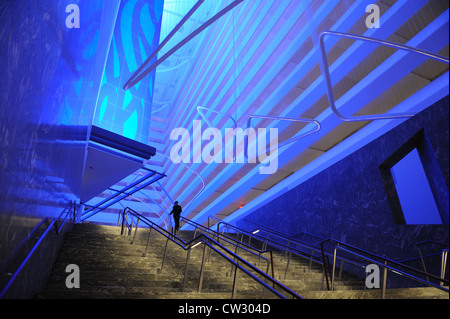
(326,72)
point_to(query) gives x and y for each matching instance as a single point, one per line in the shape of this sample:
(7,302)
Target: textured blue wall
(50,76)
(348,201)
(47,74)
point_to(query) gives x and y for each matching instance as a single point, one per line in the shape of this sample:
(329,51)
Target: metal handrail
(52,225)
(238,244)
(133,187)
(272,242)
(218,248)
(285,236)
(442,253)
(326,72)
(289,250)
(280,233)
(325,254)
(358,252)
(321,260)
(296,241)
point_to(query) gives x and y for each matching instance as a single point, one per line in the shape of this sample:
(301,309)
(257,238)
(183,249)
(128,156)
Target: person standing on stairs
(176,211)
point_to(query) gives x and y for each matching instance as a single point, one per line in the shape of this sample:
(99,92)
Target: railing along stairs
(328,248)
(239,263)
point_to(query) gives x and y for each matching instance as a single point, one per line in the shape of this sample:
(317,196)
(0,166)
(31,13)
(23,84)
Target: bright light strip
(195,245)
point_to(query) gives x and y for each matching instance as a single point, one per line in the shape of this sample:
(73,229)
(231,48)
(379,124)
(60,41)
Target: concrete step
(74,294)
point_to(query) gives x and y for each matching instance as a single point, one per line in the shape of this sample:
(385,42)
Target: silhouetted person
(176,211)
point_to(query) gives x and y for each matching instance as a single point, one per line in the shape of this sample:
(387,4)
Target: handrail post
(444,255)
(310,261)
(325,265)
(384,279)
(271,262)
(264,247)
(287,246)
(202,270)
(135,231)
(334,267)
(130,228)
(123,222)
(148,240)
(423,262)
(195,232)
(287,265)
(118,219)
(188,255)
(235,281)
(164,256)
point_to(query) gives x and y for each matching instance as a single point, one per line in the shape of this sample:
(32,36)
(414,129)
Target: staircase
(112,267)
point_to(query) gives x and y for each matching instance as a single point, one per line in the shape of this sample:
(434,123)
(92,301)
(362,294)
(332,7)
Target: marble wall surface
(348,201)
(46,77)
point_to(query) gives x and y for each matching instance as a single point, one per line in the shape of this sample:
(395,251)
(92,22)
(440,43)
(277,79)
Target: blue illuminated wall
(47,81)
(349,201)
(48,74)
(136,36)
